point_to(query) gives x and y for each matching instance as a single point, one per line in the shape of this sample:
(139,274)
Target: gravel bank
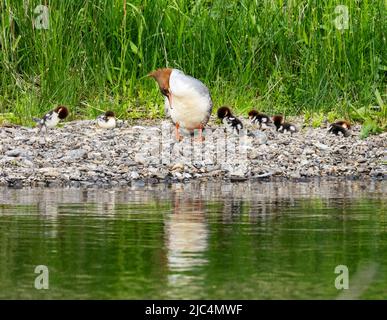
(79,154)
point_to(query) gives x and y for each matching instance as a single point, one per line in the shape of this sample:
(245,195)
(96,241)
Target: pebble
(77,154)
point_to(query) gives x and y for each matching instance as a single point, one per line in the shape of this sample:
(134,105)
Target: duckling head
(109,114)
(278,120)
(252,114)
(224,112)
(62,112)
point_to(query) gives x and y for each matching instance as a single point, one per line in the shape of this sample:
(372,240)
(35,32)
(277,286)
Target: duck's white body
(106,122)
(191,101)
(233,124)
(51,120)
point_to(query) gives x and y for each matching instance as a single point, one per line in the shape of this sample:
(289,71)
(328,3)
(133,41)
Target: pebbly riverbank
(79,154)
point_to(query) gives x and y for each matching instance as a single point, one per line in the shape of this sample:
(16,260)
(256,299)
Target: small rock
(259,137)
(134,175)
(186,175)
(140,158)
(178,167)
(16,153)
(295,175)
(76,154)
(308,151)
(49,172)
(321,146)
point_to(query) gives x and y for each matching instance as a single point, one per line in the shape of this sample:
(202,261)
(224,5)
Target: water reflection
(268,240)
(106,205)
(48,208)
(209,191)
(186,237)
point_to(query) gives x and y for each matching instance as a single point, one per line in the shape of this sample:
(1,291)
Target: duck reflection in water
(186,236)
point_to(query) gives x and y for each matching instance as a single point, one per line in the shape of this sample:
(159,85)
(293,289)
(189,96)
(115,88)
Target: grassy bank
(280,56)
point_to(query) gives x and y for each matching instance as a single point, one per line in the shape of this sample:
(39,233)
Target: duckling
(225,114)
(259,118)
(52,118)
(344,123)
(107,120)
(341,126)
(282,126)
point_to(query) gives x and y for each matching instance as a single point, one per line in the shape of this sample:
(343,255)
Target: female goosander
(226,116)
(282,126)
(341,126)
(187,100)
(52,118)
(259,118)
(107,120)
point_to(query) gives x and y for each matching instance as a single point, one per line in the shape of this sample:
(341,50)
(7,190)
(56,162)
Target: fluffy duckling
(341,126)
(259,118)
(107,120)
(52,118)
(227,118)
(344,123)
(187,100)
(282,126)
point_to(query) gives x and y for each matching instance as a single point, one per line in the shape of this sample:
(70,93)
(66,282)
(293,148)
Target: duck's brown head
(62,112)
(344,123)
(253,113)
(224,112)
(109,114)
(162,77)
(278,120)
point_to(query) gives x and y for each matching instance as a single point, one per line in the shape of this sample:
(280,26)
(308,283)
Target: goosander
(107,120)
(282,126)
(227,118)
(341,126)
(187,100)
(258,118)
(52,118)
(344,123)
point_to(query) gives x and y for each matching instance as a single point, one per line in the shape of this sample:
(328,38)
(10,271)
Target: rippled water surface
(196,241)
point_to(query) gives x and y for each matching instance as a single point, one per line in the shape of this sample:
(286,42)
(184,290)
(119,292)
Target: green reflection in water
(195,241)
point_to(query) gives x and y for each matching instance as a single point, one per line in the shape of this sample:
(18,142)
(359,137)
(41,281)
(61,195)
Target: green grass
(277,56)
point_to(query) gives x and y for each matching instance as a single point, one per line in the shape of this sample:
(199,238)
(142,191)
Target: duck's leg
(43,133)
(200,137)
(177,133)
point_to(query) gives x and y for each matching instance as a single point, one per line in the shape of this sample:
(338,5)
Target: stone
(134,175)
(78,154)
(18,152)
(321,146)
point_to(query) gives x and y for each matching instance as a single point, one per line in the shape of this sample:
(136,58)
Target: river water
(256,240)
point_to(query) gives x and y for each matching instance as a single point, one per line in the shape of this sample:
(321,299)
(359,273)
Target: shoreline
(80,155)
(153,182)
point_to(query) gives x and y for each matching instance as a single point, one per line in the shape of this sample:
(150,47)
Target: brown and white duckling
(341,126)
(259,118)
(228,119)
(283,126)
(52,118)
(187,100)
(107,120)
(344,123)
